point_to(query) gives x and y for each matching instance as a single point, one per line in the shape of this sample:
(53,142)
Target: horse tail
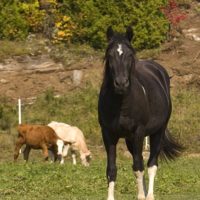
(170,148)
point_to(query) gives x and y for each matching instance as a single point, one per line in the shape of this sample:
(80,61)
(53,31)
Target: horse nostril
(126,83)
(117,83)
(59,156)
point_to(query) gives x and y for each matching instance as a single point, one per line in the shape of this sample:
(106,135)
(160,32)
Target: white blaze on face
(119,49)
(60,145)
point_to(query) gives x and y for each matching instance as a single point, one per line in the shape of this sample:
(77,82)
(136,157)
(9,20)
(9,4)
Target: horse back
(34,135)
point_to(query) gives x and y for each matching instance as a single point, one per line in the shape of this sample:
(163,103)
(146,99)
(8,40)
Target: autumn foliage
(173,13)
(86,21)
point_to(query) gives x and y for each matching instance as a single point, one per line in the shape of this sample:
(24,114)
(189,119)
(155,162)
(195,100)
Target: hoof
(150,197)
(110,198)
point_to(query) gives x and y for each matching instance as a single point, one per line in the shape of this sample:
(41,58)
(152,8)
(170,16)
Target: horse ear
(109,33)
(129,33)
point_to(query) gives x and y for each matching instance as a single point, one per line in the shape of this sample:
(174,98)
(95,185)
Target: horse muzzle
(121,85)
(59,157)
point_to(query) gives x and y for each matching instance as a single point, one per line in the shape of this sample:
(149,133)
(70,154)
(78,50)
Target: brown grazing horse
(38,137)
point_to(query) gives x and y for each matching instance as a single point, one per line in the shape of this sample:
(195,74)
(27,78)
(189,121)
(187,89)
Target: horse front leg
(111,172)
(135,147)
(19,143)
(26,152)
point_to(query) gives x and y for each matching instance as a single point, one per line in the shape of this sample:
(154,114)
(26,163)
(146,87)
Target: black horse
(134,102)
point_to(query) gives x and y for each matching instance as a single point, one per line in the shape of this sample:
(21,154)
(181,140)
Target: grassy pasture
(179,180)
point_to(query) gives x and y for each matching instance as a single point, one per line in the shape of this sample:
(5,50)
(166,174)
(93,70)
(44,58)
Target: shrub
(64,28)
(7,115)
(33,15)
(12,23)
(93,18)
(86,21)
(173,13)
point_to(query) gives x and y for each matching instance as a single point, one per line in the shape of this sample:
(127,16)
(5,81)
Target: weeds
(11,48)
(184,122)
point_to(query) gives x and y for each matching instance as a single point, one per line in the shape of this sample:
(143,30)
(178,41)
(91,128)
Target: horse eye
(130,56)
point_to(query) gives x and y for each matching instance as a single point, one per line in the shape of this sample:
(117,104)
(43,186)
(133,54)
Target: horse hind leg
(155,148)
(160,142)
(151,173)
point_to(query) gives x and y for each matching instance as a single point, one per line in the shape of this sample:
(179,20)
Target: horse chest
(120,124)
(126,123)
(121,115)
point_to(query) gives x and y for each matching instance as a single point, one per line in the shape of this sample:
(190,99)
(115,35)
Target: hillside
(182,55)
(31,74)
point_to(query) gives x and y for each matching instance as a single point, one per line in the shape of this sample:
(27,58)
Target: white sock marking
(119,49)
(141,184)
(152,173)
(111,188)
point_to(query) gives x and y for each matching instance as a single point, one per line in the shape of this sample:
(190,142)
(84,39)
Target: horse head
(120,59)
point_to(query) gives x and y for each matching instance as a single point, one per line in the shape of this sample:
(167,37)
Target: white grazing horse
(75,136)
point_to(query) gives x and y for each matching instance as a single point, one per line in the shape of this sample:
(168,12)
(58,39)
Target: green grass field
(178,180)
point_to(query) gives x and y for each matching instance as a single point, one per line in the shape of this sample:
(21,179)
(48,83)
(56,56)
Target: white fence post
(146,147)
(19,111)
(19,116)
